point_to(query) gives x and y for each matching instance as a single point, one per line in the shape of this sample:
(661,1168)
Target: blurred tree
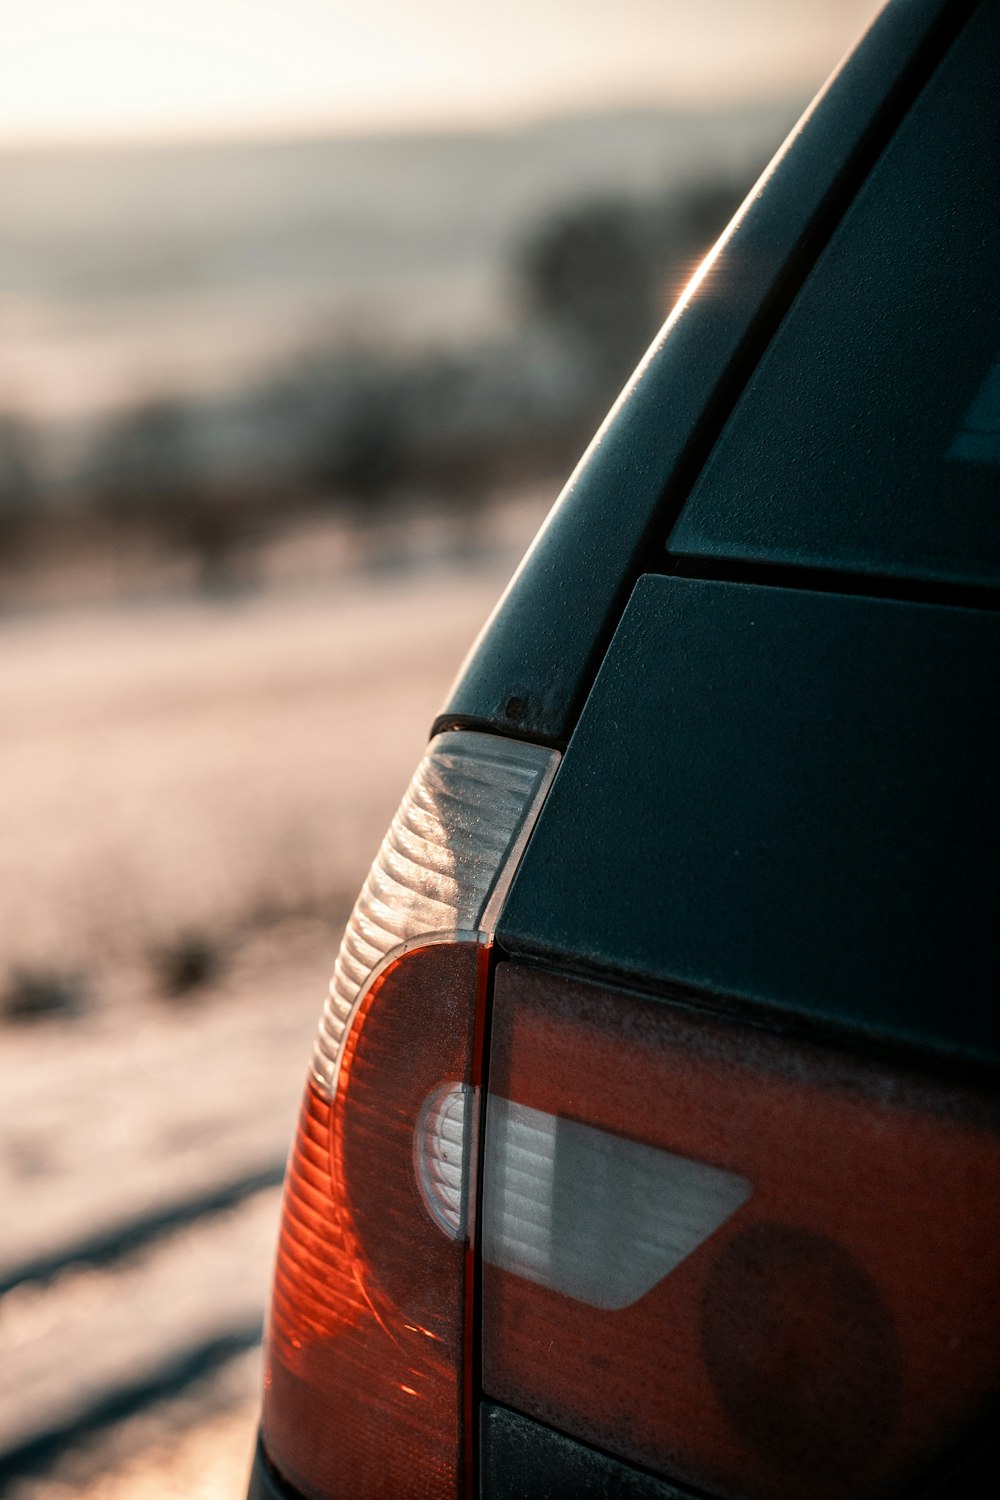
(592,272)
(19,490)
(360,458)
(367,461)
(143,463)
(147,470)
(603,274)
(382,436)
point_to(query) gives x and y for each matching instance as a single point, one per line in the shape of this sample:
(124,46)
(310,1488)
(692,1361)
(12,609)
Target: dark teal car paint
(786,801)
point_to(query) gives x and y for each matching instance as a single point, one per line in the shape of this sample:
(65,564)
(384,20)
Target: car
(650,1145)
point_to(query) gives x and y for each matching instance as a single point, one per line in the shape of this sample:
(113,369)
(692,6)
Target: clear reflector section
(442,869)
(441,1150)
(589,1213)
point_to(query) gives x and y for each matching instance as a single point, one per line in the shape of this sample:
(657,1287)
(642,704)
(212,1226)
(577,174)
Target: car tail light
(748,1263)
(366,1346)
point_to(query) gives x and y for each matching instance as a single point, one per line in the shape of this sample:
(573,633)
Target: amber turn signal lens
(366,1345)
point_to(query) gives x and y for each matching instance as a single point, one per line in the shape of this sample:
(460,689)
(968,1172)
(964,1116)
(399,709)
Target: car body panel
(786,797)
(522,1460)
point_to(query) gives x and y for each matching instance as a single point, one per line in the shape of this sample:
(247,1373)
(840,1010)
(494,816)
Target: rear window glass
(869,437)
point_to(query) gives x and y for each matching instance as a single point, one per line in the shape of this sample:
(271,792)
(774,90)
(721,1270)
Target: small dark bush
(188,963)
(42,994)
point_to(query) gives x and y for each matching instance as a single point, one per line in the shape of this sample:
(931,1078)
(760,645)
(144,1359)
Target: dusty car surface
(650,1145)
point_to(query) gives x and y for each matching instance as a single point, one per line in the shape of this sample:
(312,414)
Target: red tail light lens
(366,1348)
(367,1326)
(749,1264)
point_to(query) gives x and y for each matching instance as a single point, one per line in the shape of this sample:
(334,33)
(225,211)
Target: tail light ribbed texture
(451,839)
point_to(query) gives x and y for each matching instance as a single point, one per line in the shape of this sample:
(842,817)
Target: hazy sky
(80,69)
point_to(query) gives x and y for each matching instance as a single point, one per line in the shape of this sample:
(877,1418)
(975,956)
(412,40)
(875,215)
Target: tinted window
(869,437)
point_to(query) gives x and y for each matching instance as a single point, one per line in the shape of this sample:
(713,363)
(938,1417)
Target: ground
(190,794)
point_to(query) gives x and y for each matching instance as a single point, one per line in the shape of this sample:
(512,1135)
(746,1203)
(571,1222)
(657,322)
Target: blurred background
(307,307)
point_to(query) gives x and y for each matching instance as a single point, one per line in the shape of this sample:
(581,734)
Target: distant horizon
(130,269)
(332,133)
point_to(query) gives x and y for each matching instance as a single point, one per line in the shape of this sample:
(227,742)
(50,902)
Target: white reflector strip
(597,1217)
(441,1150)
